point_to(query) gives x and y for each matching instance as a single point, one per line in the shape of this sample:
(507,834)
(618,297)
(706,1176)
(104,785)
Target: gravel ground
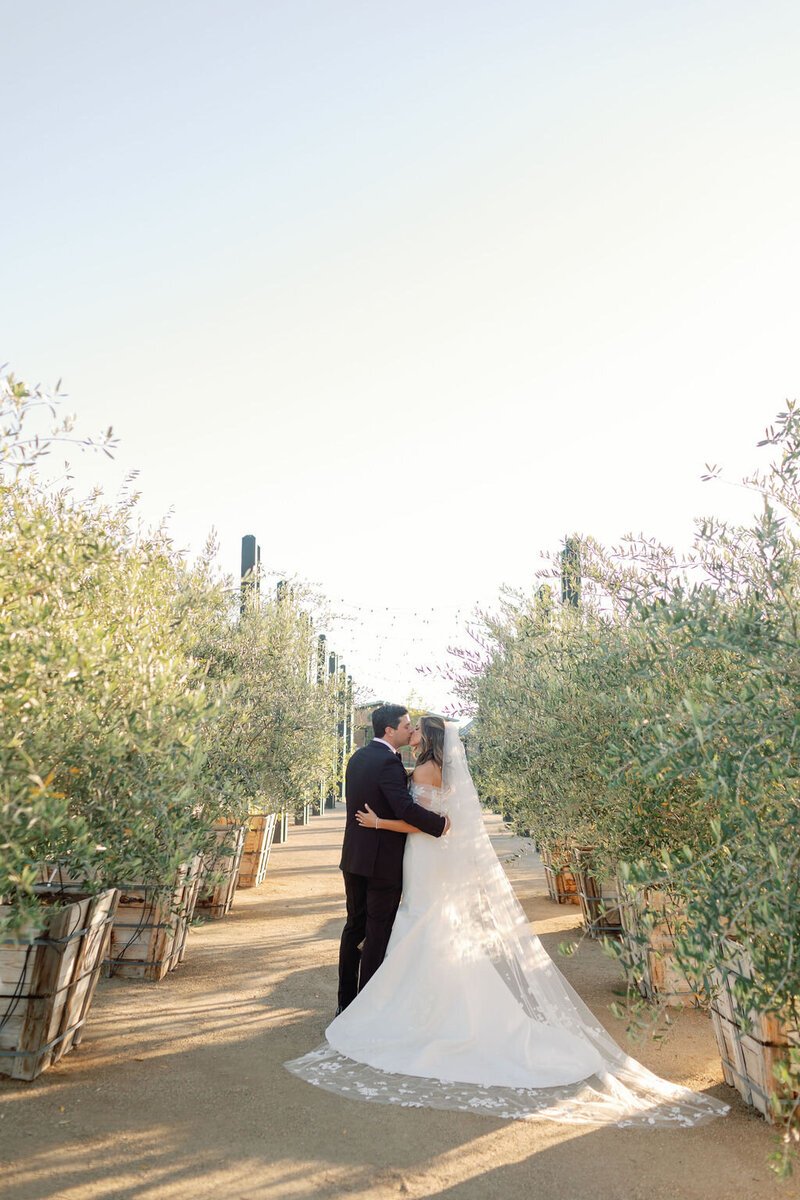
(178,1089)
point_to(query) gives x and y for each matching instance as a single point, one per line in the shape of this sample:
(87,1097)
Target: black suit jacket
(376,776)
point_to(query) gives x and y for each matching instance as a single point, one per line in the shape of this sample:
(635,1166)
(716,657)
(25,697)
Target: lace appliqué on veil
(594,1101)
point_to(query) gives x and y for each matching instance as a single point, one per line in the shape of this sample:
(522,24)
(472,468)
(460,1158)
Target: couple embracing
(380,810)
(447,998)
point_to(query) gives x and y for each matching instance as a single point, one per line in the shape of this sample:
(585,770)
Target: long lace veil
(484,918)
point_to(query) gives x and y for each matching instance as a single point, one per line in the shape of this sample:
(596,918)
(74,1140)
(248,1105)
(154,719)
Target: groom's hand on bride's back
(446,825)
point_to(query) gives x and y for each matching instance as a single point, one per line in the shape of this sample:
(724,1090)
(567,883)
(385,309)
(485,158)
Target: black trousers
(371,908)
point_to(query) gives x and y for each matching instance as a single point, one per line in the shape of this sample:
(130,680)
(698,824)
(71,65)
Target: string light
(387,647)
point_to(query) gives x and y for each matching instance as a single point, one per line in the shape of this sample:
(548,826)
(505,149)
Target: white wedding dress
(469,1012)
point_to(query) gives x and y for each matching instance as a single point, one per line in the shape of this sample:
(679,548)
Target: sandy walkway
(178,1091)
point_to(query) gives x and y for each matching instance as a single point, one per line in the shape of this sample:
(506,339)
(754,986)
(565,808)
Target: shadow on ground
(179,1090)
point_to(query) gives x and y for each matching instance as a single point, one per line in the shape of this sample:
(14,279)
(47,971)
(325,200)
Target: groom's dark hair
(387,715)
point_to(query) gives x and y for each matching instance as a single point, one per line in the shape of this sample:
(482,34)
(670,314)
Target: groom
(372,860)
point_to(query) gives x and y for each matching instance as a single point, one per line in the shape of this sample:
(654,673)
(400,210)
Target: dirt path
(178,1091)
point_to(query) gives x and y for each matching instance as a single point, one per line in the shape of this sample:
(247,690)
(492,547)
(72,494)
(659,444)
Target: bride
(467,1010)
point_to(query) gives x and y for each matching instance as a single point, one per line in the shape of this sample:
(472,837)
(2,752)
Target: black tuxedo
(372,861)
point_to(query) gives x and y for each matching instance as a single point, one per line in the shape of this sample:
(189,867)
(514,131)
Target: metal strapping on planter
(136,962)
(43,1049)
(45,941)
(54,992)
(142,925)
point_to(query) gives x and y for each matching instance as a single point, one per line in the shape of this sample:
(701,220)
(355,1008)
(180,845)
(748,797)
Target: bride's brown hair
(431,741)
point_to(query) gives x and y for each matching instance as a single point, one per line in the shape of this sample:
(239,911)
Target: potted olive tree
(50,954)
(545,709)
(269,740)
(735,737)
(104,707)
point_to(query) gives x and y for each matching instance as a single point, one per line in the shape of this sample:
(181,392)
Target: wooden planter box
(215,901)
(148,937)
(750,1044)
(302,815)
(561,885)
(652,948)
(598,897)
(47,982)
(257,846)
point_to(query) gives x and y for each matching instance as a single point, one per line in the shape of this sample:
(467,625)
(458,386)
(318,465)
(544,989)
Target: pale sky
(408,290)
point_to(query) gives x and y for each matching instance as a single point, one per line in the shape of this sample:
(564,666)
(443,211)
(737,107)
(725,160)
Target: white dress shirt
(388,745)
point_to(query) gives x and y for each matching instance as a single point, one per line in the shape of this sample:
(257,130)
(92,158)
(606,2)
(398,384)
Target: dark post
(333,786)
(250,556)
(341,729)
(350,717)
(544,602)
(318,806)
(571,573)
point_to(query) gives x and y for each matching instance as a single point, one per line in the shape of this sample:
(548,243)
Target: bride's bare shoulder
(427,775)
